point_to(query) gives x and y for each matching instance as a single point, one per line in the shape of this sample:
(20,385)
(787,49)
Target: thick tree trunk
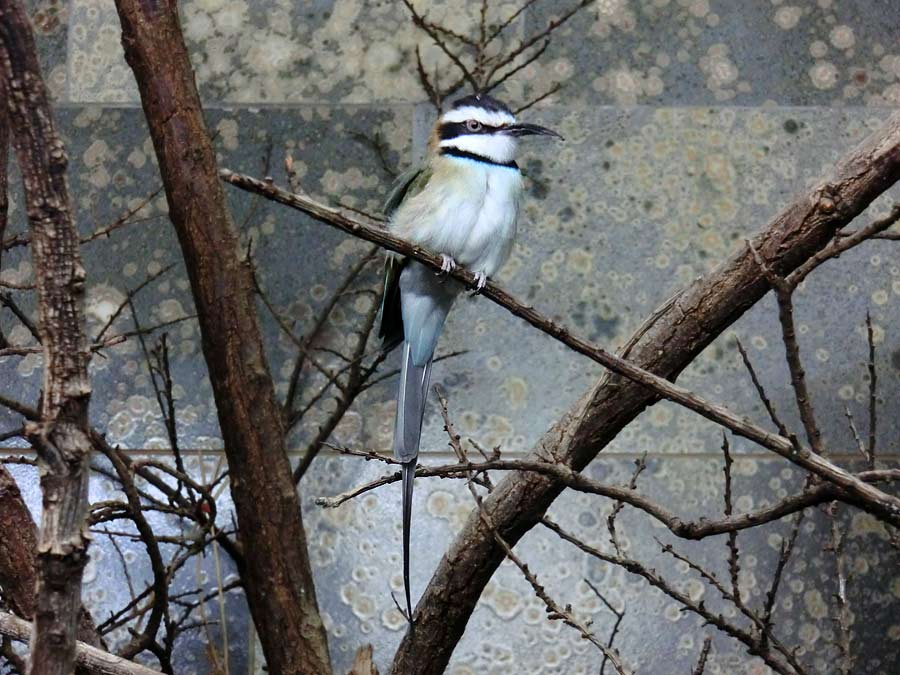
(695,319)
(278,579)
(60,436)
(18,577)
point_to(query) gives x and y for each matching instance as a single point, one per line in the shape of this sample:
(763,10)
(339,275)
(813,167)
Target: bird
(462,203)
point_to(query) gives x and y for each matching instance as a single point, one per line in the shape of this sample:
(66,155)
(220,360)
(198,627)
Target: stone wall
(688,124)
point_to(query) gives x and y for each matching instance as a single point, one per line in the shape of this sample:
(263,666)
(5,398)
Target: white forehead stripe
(486,117)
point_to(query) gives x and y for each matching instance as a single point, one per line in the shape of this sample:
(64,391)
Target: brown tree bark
(699,315)
(17,553)
(278,579)
(17,548)
(60,436)
(18,576)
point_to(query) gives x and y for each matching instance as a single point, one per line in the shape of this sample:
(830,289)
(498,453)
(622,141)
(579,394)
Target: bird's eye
(473,125)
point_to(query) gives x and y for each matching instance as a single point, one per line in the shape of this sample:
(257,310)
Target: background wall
(688,124)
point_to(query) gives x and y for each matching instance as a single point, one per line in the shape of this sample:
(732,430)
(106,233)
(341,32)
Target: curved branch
(691,322)
(699,315)
(820,493)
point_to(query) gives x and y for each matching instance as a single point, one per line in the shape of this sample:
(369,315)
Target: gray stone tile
(634,205)
(275,51)
(113,169)
(50,21)
(355,554)
(696,52)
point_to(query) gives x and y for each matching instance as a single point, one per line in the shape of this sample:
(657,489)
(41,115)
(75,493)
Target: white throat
(497,147)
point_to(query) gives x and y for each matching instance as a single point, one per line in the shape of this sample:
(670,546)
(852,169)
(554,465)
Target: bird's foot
(448,264)
(480,282)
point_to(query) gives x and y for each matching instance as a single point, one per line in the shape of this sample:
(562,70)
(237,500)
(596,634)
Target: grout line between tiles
(442,454)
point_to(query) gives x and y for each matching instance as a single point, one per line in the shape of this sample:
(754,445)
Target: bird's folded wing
(407,184)
(390,320)
(390,316)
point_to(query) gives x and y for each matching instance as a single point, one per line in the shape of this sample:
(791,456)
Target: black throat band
(463,154)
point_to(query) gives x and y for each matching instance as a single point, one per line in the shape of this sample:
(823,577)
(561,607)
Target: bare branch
(615,629)
(873,389)
(700,529)
(844,615)
(554,610)
(734,557)
(95,660)
(787,548)
(783,294)
(420,21)
(761,392)
(844,243)
(704,653)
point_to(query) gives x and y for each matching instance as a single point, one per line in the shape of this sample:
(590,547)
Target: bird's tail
(408,472)
(407,432)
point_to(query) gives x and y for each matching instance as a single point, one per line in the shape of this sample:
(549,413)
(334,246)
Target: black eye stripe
(453,129)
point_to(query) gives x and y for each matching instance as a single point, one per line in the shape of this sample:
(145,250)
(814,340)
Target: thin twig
(844,615)
(615,629)
(786,549)
(873,389)
(811,496)
(554,610)
(704,653)
(783,294)
(420,21)
(734,557)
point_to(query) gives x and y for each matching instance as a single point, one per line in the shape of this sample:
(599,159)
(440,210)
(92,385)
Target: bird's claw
(448,264)
(480,282)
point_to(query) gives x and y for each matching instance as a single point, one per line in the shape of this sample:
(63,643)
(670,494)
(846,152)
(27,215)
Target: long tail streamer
(414,381)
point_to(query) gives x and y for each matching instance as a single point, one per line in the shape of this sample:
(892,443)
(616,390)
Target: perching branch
(883,504)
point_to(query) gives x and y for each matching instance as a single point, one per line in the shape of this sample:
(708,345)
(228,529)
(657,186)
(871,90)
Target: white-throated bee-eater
(463,204)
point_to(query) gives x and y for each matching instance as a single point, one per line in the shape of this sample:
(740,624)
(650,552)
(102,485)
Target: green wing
(390,329)
(407,184)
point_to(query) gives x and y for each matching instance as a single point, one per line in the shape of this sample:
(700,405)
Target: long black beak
(530,130)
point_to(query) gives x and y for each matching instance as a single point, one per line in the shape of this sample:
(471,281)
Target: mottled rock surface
(688,124)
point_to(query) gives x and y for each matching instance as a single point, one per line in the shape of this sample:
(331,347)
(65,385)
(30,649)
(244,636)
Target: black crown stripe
(482,101)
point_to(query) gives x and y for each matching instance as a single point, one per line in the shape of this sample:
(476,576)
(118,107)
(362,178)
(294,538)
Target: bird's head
(483,126)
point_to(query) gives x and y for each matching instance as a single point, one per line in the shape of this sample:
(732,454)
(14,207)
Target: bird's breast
(468,211)
(480,213)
